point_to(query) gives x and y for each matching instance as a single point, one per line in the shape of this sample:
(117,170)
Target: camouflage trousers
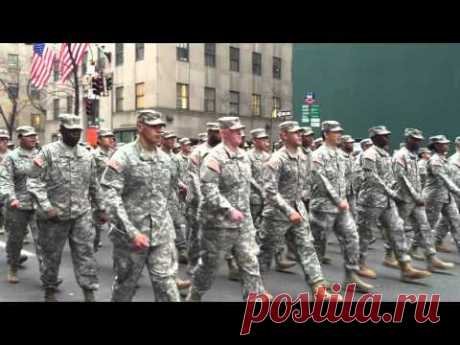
(162,265)
(99,228)
(392,225)
(179,225)
(344,228)
(416,221)
(193,233)
(52,237)
(449,213)
(243,242)
(352,202)
(16,226)
(275,231)
(442,228)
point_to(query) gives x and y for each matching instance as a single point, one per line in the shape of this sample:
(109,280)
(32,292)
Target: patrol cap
(10,144)
(289,126)
(347,139)
(439,139)
(378,130)
(230,122)
(70,121)
(25,131)
(318,140)
(105,133)
(150,117)
(414,133)
(423,150)
(212,126)
(4,134)
(366,141)
(169,135)
(306,131)
(203,136)
(457,140)
(184,141)
(331,126)
(258,133)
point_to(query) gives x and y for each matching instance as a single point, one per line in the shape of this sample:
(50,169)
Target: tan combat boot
(13,276)
(366,272)
(436,263)
(390,261)
(183,284)
(352,278)
(409,273)
(442,247)
(281,264)
(320,292)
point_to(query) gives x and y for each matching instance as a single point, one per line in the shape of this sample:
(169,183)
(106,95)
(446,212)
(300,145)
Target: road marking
(3,245)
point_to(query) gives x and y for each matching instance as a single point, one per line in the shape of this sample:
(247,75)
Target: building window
(234,103)
(256,105)
(139,51)
(276,105)
(34,93)
(69,104)
(182,96)
(234,59)
(210,99)
(36,121)
(13,61)
(256,63)
(182,50)
(56,70)
(276,67)
(118,54)
(56,108)
(210,54)
(139,95)
(119,99)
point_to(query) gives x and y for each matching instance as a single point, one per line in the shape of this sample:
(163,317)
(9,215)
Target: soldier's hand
(141,241)
(295,218)
(343,205)
(15,203)
(52,213)
(103,217)
(236,216)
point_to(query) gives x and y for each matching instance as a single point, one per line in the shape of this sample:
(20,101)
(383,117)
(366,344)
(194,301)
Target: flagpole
(75,77)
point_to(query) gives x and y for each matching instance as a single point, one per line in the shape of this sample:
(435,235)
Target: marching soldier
(4,139)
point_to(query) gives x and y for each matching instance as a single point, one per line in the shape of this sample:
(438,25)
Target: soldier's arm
(36,185)
(437,169)
(399,169)
(7,180)
(209,177)
(95,190)
(113,184)
(271,175)
(319,177)
(371,177)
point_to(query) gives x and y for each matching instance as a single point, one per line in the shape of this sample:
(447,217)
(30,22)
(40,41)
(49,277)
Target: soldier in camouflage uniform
(183,158)
(64,189)
(440,191)
(137,185)
(285,180)
(225,176)
(4,139)
(412,204)
(346,148)
(106,147)
(376,202)
(317,143)
(194,198)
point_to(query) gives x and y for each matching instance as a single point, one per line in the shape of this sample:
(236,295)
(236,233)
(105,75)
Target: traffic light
(97,84)
(109,82)
(89,107)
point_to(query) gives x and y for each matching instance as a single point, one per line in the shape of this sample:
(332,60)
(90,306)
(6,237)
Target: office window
(182,96)
(256,63)
(234,59)
(119,99)
(13,61)
(276,67)
(256,105)
(209,99)
(69,104)
(139,95)
(210,54)
(234,103)
(139,51)
(276,105)
(118,54)
(182,50)
(56,108)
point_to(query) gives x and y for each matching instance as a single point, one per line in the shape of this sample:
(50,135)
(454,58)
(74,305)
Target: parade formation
(163,202)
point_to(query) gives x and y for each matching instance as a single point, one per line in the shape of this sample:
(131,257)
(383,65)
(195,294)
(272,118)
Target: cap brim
(306,134)
(28,134)
(261,137)
(383,133)
(417,137)
(155,123)
(237,127)
(443,142)
(294,129)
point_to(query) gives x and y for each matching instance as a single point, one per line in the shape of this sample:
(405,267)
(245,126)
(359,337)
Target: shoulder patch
(38,162)
(213,165)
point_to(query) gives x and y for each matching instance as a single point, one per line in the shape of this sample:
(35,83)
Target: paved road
(388,283)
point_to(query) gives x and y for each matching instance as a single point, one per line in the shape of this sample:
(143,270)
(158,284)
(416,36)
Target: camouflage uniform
(440,192)
(349,178)
(285,180)
(183,162)
(66,181)
(376,201)
(225,184)
(3,134)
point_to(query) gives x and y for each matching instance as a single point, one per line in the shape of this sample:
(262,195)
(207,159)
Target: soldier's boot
(442,247)
(320,292)
(365,271)
(89,295)
(13,276)
(50,295)
(193,296)
(352,278)
(414,254)
(409,273)
(183,284)
(183,257)
(436,263)
(233,270)
(390,261)
(281,264)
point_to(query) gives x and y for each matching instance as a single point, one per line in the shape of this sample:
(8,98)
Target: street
(387,283)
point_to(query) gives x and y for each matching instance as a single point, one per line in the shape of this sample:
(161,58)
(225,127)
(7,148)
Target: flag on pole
(42,64)
(65,60)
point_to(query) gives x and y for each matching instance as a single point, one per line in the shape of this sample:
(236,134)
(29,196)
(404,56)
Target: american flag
(65,62)
(42,64)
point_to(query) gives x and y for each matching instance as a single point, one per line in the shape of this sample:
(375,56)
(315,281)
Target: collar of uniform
(233,155)
(291,155)
(441,157)
(258,154)
(345,154)
(407,152)
(143,153)
(26,153)
(380,151)
(68,151)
